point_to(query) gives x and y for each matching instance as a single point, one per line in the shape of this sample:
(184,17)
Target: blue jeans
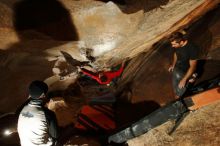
(176,78)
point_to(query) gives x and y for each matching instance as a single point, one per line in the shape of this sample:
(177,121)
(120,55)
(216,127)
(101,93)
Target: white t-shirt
(32,127)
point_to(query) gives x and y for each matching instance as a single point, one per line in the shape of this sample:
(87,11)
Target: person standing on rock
(184,62)
(37,125)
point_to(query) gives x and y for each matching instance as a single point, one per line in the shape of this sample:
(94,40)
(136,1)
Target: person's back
(32,126)
(37,125)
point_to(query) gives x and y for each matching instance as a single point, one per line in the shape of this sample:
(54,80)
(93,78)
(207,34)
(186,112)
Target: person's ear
(42,95)
(182,42)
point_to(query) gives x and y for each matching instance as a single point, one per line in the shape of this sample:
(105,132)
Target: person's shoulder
(48,111)
(192,45)
(193,50)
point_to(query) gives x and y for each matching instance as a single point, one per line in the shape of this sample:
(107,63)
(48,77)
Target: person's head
(102,77)
(38,90)
(177,40)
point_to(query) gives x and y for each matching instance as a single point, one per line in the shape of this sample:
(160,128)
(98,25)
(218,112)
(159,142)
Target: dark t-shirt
(184,54)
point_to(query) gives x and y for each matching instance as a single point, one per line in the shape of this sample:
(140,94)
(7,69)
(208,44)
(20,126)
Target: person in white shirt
(37,125)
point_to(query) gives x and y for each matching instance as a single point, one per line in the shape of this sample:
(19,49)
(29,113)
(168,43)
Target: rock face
(108,29)
(33,32)
(108,23)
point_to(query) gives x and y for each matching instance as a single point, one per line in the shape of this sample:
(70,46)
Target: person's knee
(180,92)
